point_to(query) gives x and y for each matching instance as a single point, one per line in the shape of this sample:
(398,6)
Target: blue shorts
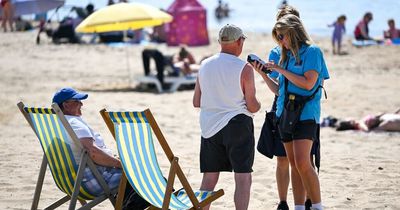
(112,176)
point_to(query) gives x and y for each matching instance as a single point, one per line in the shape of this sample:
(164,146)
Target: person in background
(8,14)
(222,10)
(226,95)
(338,30)
(361,32)
(158,34)
(378,122)
(392,32)
(300,71)
(182,62)
(22,25)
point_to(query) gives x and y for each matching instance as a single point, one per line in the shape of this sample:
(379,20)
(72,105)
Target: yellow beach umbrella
(123,16)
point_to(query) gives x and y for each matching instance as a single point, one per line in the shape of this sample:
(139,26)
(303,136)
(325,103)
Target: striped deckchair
(53,132)
(133,133)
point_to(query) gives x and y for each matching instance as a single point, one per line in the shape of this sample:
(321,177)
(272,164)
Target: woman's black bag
(266,141)
(292,109)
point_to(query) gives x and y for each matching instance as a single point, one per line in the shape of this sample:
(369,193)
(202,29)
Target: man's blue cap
(68,93)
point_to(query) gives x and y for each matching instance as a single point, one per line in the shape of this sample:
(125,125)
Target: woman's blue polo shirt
(311,59)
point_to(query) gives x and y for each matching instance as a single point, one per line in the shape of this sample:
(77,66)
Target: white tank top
(222,96)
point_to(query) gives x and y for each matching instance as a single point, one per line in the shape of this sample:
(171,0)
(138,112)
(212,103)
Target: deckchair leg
(212,198)
(121,192)
(170,183)
(77,185)
(58,203)
(39,183)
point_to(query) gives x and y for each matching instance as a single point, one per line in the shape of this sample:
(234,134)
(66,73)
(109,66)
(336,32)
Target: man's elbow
(254,108)
(196,103)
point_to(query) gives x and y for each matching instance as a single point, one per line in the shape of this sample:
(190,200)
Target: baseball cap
(230,33)
(68,93)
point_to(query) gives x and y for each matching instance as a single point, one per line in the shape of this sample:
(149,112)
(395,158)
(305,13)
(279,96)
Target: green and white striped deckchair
(133,133)
(53,132)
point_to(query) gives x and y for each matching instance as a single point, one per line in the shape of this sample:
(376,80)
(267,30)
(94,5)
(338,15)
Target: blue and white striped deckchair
(133,133)
(53,132)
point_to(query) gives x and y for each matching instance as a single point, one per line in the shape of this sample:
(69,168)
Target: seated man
(70,102)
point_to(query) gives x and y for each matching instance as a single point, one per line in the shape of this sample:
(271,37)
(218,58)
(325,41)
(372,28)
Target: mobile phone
(252,57)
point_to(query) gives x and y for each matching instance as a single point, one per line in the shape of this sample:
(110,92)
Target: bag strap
(309,98)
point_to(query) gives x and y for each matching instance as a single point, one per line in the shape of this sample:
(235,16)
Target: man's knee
(209,181)
(243,179)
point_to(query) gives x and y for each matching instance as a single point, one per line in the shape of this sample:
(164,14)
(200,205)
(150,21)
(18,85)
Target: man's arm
(98,155)
(249,89)
(197,94)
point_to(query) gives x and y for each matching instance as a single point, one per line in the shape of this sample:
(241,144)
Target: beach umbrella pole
(130,73)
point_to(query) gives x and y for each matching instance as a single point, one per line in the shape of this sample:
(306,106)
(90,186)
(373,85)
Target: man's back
(222,95)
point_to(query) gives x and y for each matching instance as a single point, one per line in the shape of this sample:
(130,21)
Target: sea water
(259,15)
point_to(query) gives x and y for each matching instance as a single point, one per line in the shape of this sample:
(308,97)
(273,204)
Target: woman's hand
(272,66)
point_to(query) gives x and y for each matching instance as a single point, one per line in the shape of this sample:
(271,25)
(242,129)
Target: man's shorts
(112,176)
(232,148)
(306,129)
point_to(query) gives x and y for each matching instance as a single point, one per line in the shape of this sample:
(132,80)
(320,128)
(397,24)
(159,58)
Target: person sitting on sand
(392,32)
(361,32)
(379,122)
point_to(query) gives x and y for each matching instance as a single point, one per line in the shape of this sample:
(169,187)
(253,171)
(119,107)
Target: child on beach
(392,32)
(338,31)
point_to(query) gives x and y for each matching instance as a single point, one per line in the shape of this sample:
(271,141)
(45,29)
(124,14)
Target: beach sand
(358,170)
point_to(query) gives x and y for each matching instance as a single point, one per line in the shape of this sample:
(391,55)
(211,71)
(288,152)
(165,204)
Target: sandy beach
(358,170)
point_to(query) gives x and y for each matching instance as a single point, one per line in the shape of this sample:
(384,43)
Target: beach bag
(292,109)
(266,144)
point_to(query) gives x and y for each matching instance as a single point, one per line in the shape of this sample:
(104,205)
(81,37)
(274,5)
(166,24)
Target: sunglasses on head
(280,37)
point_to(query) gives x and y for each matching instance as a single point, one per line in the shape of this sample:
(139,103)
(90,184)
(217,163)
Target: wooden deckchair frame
(175,169)
(85,161)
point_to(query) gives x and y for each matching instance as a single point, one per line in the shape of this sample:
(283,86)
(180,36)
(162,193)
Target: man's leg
(210,180)
(242,190)
(146,54)
(159,58)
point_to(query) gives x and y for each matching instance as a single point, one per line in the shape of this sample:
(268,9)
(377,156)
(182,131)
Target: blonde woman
(300,71)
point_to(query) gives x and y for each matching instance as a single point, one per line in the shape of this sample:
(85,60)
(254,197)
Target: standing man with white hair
(225,93)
